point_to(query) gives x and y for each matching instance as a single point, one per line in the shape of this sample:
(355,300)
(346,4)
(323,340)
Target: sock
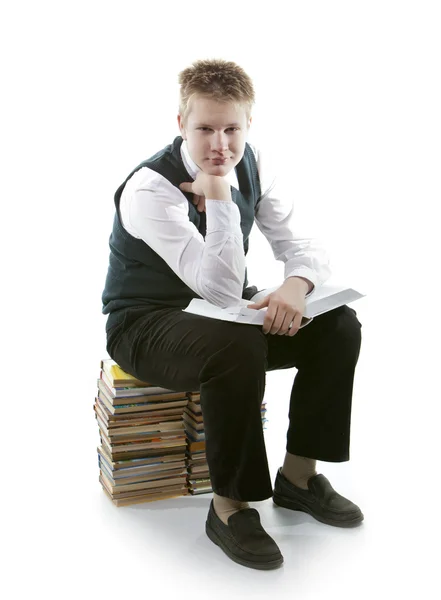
(225,507)
(298,469)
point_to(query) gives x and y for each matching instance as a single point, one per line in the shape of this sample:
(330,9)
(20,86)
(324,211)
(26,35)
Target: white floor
(73,541)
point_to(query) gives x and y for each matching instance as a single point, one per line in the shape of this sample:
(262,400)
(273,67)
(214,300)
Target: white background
(348,101)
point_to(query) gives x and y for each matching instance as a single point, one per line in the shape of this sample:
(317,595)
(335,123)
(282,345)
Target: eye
(230,128)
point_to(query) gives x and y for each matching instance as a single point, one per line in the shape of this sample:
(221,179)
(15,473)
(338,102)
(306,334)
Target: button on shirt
(154,210)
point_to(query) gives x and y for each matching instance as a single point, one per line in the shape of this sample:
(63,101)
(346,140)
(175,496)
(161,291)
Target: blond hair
(216,79)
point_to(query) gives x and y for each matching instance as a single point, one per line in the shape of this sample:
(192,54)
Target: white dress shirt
(154,210)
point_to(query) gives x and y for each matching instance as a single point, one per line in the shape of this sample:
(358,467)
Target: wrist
(218,191)
(299,282)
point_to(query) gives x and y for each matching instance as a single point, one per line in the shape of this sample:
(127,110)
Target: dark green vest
(137,275)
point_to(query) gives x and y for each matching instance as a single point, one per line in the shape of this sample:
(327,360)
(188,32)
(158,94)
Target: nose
(220,143)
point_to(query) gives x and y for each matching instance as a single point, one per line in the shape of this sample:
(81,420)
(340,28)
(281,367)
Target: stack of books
(198,474)
(142,456)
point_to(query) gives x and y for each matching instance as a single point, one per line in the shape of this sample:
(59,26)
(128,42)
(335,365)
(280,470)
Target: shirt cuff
(307,274)
(223,215)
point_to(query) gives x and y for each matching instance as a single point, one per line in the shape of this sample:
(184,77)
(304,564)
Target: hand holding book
(286,307)
(328,296)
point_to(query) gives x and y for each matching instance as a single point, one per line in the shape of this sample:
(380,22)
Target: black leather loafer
(244,540)
(320,500)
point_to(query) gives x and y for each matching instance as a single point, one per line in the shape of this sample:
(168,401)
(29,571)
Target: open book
(324,298)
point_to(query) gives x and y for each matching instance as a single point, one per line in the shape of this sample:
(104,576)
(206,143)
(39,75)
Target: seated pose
(181,231)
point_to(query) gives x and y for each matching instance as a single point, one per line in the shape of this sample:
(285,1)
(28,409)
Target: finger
(256,305)
(291,331)
(277,322)
(185,187)
(262,304)
(267,323)
(296,324)
(285,328)
(281,322)
(270,315)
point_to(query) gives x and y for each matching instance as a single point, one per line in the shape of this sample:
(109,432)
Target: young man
(181,231)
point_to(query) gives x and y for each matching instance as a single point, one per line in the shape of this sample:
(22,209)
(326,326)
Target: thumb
(261,304)
(185,187)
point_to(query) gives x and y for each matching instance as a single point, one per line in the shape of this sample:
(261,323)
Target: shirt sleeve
(154,210)
(302,256)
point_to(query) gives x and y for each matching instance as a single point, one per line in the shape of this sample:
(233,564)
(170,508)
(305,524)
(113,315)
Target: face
(216,133)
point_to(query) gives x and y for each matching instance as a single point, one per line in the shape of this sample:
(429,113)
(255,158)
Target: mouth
(219,161)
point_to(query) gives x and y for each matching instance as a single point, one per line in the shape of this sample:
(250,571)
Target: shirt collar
(193,169)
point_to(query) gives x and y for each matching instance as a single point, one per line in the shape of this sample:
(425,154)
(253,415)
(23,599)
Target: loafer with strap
(320,500)
(244,540)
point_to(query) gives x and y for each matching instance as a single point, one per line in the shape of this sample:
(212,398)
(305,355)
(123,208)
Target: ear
(181,127)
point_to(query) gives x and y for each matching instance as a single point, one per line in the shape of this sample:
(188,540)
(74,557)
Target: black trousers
(227,363)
